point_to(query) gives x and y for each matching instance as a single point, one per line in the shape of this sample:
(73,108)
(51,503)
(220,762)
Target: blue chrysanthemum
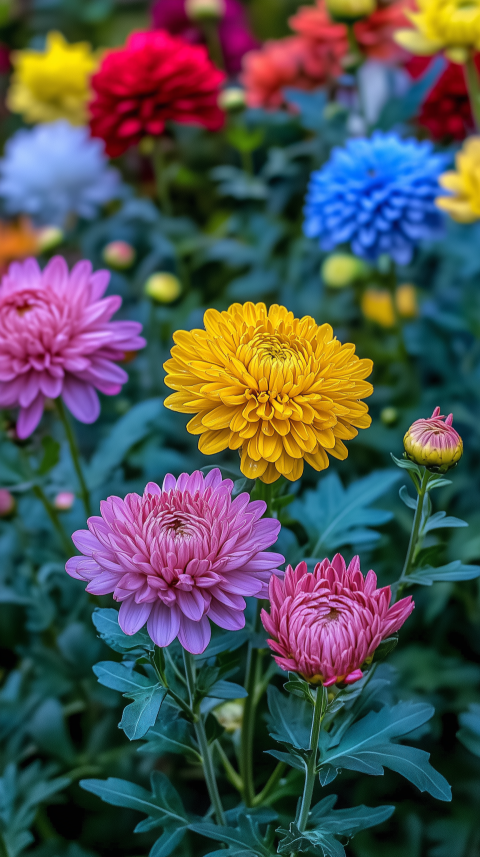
(52,171)
(378,195)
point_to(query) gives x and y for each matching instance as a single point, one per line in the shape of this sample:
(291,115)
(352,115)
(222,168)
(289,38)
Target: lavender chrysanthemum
(378,196)
(53,171)
(179,556)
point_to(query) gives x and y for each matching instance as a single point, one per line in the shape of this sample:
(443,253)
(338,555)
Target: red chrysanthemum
(153,79)
(446,111)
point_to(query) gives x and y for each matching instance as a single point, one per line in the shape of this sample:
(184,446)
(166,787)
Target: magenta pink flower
(179,556)
(56,339)
(234,33)
(434,443)
(325,625)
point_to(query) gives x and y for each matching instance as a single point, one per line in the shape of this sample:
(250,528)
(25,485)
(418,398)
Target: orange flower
(17,241)
(374,34)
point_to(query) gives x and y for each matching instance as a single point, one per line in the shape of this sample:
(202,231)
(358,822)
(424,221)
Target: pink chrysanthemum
(56,339)
(179,556)
(434,443)
(325,625)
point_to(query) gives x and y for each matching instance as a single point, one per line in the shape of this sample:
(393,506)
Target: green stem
(161,178)
(473,87)
(311,772)
(214,45)
(55,520)
(269,786)
(248,722)
(230,771)
(413,543)
(74,452)
(158,663)
(208,768)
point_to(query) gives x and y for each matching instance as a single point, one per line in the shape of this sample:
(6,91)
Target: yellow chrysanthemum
(52,84)
(464,184)
(280,389)
(449,25)
(377,305)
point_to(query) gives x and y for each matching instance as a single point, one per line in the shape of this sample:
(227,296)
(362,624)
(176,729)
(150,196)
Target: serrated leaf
(290,719)
(366,747)
(122,678)
(335,516)
(141,714)
(455,570)
(169,840)
(244,837)
(172,737)
(162,805)
(105,620)
(312,841)
(347,822)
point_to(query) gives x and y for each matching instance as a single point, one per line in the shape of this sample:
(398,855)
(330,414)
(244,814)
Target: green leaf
(138,717)
(347,822)
(290,719)
(440,520)
(120,677)
(469,733)
(169,840)
(105,620)
(456,570)
(366,747)
(312,841)
(290,758)
(227,690)
(246,837)
(245,140)
(162,805)
(335,516)
(175,736)
(386,646)
(51,455)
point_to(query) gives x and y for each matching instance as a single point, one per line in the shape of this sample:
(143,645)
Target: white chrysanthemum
(55,170)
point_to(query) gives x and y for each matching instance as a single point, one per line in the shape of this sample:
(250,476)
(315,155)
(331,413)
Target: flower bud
(205,10)
(406,301)
(389,416)
(48,238)
(434,443)
(342,269)
(64,501)
(232,99)
(7,503)
(162,287)
(377,306)
(230,715)
(350,10)
(119,255)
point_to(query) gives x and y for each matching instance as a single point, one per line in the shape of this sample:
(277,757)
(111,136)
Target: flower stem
(160,170)
(55,520)
(269,786)
(74,452)
(310,776)
(208,768)
(473,87)
(248,723)
(413,543)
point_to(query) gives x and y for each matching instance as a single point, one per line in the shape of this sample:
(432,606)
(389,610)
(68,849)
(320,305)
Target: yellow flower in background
(452,26)
(54,83)
(282,390)
(406,301)
(351,9)
(463,203)
(377,305)
(18,239)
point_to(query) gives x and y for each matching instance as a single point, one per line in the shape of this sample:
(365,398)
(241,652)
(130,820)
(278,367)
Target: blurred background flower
(445,111)
(463,184)
(54,83)
(449,25)
(378,195)
(54,171)
(18,239)
(235,35)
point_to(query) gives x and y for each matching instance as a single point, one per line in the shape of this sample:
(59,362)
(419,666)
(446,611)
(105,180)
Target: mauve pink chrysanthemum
(326,624)
(56,339)
(179,556)
(434,443)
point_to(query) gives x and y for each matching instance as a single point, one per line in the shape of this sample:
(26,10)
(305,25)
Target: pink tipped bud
(328,624)
(119,255)
(7,503)
(434,443)
(64,501)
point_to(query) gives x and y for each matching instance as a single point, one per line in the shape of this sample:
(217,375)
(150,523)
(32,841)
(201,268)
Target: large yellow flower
(52,84)
(463,204)
(280,389)
(449,25)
